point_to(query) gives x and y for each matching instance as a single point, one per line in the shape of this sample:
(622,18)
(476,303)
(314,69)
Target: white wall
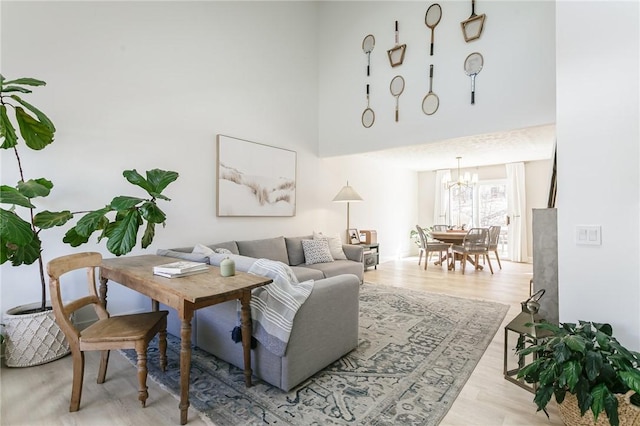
(150,84)
(515,89)
(598,159)
(537,175)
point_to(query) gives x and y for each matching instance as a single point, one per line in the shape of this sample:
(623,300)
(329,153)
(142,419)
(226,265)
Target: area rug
(416,351)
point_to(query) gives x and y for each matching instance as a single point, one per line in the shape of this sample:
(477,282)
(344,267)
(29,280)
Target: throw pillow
(335,244)
(223,251)
(202,249)
(316,251)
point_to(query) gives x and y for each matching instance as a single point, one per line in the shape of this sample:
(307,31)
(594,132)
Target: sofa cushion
(270,248)
(335,244)
(339,267)
(294,249)
(303,273)
(194,257)
(316,251)
(206,250)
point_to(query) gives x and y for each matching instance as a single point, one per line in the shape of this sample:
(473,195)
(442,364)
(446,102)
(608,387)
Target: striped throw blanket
(274,306)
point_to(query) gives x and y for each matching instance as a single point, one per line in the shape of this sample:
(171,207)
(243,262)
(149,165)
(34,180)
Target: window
(482,205)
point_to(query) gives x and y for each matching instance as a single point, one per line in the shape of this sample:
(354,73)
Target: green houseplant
(20,225)
(584,360)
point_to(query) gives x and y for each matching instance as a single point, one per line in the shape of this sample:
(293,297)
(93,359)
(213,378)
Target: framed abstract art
(254,179)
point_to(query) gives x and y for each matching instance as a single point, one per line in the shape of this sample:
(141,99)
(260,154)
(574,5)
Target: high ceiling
(528,144)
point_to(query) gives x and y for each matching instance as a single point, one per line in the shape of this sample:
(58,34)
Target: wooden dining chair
(427,247)
(475,243)
(117,332)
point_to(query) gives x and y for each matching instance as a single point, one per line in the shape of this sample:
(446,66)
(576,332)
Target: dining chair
(475,243)
(108,332)
(440,228)
(494,236)
(427,247)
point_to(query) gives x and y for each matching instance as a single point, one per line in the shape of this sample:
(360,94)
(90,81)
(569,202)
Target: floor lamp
(347,195)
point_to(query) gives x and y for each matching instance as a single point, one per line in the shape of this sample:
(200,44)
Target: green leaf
(631,378)
(14,231)
(9,195)
(92,221)
(149,233)
(592,364)
(73,238)
(33,188)
(9,89)
(7,131)
(35,134)
(530,369)
(122,202)
(27,81)
(41,115)
(123,233)
(576,343)
(611,408)
(47,219)
(20,244)
(543,396)
(136,178)
(571,371)
(152,213)
(160,179)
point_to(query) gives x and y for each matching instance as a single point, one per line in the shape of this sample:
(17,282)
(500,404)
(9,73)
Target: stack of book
(179,269)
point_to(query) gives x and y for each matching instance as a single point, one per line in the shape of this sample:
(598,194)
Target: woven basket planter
(628,414)
(32,339)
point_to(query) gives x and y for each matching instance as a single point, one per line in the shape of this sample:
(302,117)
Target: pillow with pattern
(335,244)
(316,251)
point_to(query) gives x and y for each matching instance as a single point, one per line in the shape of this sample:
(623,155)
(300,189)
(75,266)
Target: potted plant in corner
(585,368)
(31,334)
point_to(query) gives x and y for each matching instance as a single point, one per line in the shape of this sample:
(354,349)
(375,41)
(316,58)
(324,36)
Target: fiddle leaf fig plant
(583,359)
(20,225)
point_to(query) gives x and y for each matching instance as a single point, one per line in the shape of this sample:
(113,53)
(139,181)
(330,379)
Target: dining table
(455,237)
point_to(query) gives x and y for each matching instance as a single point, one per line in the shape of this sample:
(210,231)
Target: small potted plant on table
(585,368)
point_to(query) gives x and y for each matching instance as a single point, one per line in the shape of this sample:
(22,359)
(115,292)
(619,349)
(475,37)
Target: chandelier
(466,181)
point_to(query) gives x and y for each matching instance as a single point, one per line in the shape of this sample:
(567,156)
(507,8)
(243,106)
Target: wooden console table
(185,295)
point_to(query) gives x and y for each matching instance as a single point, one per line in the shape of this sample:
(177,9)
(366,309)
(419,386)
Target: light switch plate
(589,235)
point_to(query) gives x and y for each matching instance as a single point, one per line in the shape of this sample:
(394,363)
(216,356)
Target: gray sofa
(325,327)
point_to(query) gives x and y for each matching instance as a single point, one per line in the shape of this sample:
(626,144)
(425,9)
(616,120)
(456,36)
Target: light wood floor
(40,395)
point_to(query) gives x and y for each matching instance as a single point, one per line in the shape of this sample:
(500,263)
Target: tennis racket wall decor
(472,27)
(397,87)
(368,116)
(431,19)
(396,54)
(431,102)
(472,66)
(368,44)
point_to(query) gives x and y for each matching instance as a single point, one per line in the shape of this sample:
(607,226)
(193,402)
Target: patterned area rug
(416,351)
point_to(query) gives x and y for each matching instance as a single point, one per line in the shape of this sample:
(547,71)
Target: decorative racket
(368,116)
(368,44)
(472,66)
(472,27)
(396,54)
(397,87)
(431,19)
(430,102)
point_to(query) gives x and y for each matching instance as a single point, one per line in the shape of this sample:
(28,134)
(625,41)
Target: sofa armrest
(325,328)
(353,252)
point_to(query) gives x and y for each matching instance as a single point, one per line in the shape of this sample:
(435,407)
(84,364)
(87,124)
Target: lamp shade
(347,194)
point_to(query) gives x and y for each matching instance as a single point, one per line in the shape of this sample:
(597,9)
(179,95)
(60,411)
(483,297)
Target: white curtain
(441,204)
(516,205)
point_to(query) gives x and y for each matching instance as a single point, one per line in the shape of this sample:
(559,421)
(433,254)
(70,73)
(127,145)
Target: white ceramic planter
(32,339)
